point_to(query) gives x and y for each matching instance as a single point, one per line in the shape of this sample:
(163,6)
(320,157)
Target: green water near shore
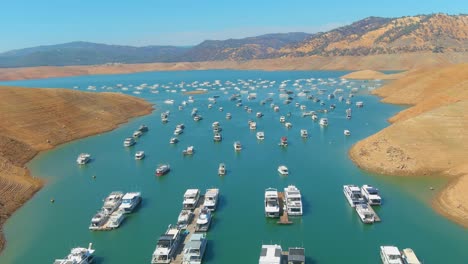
(330,230)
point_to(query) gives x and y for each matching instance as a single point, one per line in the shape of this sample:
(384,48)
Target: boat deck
(376,216)
(106,226)
(284,218)
(189,231)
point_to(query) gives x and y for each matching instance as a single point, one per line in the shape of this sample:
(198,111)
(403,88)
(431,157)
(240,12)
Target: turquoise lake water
(330,230)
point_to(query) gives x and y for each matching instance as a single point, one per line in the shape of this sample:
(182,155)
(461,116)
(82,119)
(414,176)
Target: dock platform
(189,231)
(376,216)
(284,218)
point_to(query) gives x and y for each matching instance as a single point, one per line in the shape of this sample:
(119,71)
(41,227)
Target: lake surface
(330,230)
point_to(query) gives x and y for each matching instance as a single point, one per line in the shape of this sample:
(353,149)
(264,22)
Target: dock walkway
(189,231)
(376,216)
(284,218)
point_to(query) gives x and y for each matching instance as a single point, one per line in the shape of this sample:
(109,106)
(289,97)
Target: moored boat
(222,169)
(270,254)
(130,201)
(217,137)
(191,199)
(323,121)
(203,220)
(271,203)
(211,199)
(139,155)
(188,151)
(293,200)
(78,255)
(283,170)
(162,169)
(185,218)
(367,216)
(237,146)
(283,142)
(128,142)
(304,133)
(353,195)
(166,248)
(260,135)
(371,194)
(83,158)
(194,250)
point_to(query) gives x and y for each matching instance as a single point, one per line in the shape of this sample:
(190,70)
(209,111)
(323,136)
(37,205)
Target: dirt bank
(428,138)
(374,62)
(33,120)
(372,75)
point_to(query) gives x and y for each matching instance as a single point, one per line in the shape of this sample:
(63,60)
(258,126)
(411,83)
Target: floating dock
(284,218)
(376,216)
(188,232)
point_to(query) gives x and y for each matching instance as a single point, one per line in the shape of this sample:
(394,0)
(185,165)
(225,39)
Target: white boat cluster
(362,199)
(113,211)
(195,207)
(196,215)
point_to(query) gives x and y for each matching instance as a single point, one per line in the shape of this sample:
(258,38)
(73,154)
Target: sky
(29,23)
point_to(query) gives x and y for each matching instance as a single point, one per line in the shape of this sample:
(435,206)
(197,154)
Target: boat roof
(390,250)
(191,192)
(131,195)
(296,254)
(410,256)
(270,254)
(211,192)
(353,188)
(195,241)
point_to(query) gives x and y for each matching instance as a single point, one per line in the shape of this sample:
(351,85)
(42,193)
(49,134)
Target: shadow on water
(209,251)
(310,260)
(222,203)
(306,206)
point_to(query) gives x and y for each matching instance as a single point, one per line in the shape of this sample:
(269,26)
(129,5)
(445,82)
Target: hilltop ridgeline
(437,33)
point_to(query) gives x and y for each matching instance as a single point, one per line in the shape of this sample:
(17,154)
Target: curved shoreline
(382,62)
(39,119)
(426,138)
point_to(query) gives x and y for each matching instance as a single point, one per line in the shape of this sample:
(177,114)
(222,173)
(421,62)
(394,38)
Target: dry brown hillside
(375,35)
(35,119)
(429,138)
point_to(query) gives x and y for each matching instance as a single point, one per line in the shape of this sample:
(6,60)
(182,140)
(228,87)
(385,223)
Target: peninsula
(35,119)
(428,138)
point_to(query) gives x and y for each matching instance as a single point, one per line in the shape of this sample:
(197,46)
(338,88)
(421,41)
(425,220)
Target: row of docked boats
(193,251)
(113,211)
(361,199)
(392,255)
(273,254)
(292,202)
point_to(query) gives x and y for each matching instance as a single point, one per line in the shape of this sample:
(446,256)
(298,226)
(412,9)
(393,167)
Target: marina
(319,167)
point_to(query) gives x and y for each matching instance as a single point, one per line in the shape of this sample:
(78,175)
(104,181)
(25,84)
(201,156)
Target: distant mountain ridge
(373,35)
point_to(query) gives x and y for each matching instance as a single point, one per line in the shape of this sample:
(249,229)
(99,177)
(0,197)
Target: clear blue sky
(26,23)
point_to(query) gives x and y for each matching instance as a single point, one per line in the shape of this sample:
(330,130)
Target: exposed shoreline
(38,119)
(383,62)
(426,138)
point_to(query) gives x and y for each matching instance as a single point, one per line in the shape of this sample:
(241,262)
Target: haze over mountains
(436,33)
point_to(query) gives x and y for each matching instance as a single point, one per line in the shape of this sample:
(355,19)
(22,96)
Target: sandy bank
(375,62)
(372,75)
(33,120)
(428,138)
(195,92)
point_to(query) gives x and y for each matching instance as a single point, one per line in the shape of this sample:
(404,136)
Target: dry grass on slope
(34,119)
